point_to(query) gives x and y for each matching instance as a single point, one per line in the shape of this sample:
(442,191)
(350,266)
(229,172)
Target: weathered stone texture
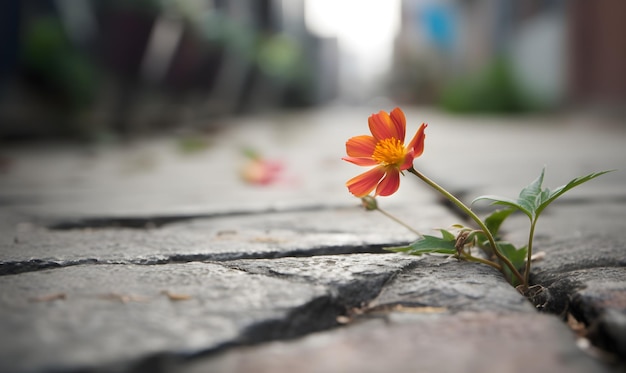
(328,231)
(456,286)
(89,316)
(142,259)
(467,342)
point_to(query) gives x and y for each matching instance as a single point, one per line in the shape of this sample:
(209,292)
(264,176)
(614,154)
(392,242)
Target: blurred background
(95,68)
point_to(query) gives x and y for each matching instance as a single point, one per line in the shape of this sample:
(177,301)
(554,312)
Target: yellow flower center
(389,152)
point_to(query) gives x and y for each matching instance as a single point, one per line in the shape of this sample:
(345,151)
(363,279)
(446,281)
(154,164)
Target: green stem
(471,258)
(399,221)
(529,254)
(474,217)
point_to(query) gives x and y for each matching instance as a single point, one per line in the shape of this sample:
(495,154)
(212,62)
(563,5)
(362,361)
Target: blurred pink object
(260,171)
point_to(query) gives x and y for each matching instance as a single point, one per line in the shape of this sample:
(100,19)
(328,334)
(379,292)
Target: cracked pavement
(136,257)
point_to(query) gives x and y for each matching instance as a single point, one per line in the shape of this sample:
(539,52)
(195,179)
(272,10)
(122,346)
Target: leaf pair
(532,200)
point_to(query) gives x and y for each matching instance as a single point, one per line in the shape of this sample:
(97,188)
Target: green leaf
(497,200)
(495,219)
(529,195)
(517,258)
(515,255)
(493,223)
(430,244)
(447,236)
(549,197)
(532,200)
(526,201)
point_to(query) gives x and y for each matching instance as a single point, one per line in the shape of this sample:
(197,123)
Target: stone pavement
(144,257)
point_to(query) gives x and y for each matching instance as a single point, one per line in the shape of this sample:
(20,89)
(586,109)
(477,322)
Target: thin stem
(471,258)
(399,221)
(474,217)
(529,254)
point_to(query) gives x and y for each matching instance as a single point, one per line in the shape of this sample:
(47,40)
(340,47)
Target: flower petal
(364,183)
(381,126)
(399,121)
(389,184)
(361,161)
(408,161)
(417,143)
(361,146)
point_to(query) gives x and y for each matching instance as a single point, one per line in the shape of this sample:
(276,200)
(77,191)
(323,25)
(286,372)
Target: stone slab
(126,316)
(26,247)
(152,177)
(97,316)
(472,154)
(355,279)
(426,281)
(210,214)
(465,342)
(453,285)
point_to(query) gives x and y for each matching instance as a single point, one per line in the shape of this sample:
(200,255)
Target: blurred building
(508,56)
(597,41)
(83,67)
(114,66)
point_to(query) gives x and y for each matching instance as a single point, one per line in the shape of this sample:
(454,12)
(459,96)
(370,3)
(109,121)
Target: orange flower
(384,149)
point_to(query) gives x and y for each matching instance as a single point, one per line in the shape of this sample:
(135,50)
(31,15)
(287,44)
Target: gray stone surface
(583,269)
(139,257)
(28,247)
(154,178)
(355,279)
(581,233)
(453,285)
(467,342)
(93,316)
(90,316)
(427,281)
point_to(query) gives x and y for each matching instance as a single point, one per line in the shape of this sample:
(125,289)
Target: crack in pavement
(560,294)
(158,221)
(319,314)
(32,265)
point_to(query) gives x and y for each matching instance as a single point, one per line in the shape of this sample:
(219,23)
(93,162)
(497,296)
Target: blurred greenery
(493,90)
(53,63)
(279,56)
(192,144)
